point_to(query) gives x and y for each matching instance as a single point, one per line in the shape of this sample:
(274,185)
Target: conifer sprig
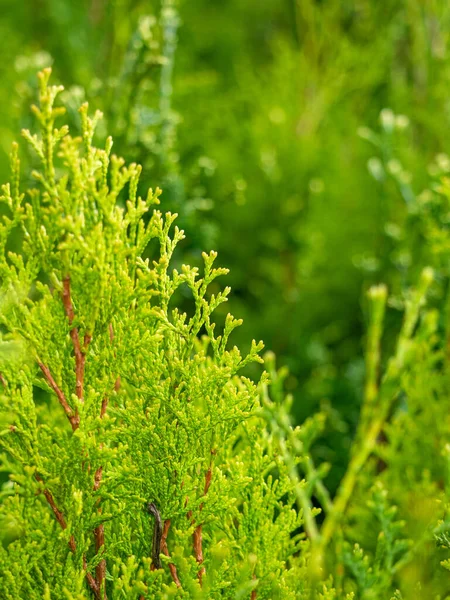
(140,405)
(140,462)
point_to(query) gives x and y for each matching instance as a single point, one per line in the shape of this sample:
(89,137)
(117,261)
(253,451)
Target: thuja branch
(165,549)
(96,584)
(72,544)
(99,531)
(282,430)
(71,415)
(197,535)
(378,400)
(58,514)
(79,360)
(99,537)
(80,357)
(152,346)
(303,500)
(159,542)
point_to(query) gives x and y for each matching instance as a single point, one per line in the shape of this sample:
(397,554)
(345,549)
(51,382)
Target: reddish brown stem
(197,535)
(79,360)
(73,417)
(91,581)
(100,570)
(254,593)
(164,548)
(72,544)
(198,550)
(58,514)
(80,357)
(86,341)
(99,532)
(99,536)
(104,407)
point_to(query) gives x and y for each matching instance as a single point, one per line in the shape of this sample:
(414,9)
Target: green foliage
(113,399)
(118,391)
(247,116)
(139,462)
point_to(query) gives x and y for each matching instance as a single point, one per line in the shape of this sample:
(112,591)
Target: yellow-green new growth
(125,402)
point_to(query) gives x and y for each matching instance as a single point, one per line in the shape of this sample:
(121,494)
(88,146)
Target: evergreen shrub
(141,462)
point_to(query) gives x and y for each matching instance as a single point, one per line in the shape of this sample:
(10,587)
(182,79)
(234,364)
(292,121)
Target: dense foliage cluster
(125,417)
(246,114)
(140,463)
(142,455)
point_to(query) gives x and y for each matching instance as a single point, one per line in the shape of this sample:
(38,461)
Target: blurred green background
(290,135)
